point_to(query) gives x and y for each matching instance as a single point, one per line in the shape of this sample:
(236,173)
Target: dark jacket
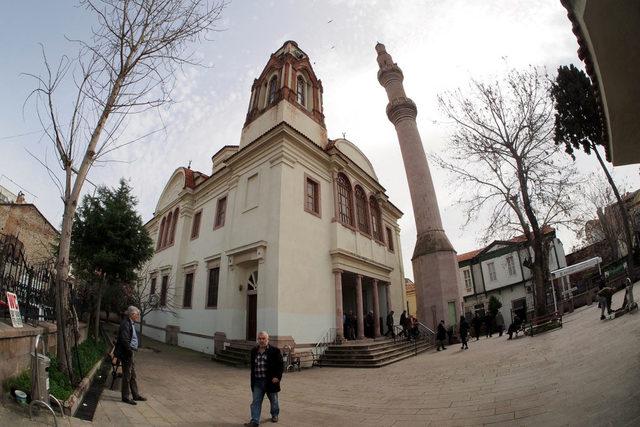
(123,350)
(274,368)
(441,333)
(403,320)
(464,328)
(390,321)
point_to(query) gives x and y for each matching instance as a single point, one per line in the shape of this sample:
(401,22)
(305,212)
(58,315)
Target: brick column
(339,310)
(359,307)
(376,309)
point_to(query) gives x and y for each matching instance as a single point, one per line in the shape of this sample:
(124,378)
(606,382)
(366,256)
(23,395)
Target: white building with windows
(288,232)
(500,270)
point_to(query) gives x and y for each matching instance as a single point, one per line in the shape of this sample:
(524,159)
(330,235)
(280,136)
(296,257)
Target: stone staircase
(371,354)
(237,353)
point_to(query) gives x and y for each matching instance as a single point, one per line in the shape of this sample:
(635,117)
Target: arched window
(300,90)
(173,225)
(167,227)
(361,210)
(345,212)
(376,220)
(273,89)
(160,234)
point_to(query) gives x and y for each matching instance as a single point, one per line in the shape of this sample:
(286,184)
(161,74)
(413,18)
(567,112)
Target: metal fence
(33,284)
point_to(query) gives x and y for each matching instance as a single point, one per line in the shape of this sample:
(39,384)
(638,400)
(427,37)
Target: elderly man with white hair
(266,374)
(126,346)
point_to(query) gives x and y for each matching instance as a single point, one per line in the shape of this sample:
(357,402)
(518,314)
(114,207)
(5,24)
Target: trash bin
(39,375)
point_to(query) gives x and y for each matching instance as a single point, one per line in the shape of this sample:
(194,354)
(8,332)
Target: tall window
(161,233)
(468,284)
(511,265)
(344,200)
(273,89)
(212,287)
(312,196)
(376,220)
(389,238)
(167,227)
(173,225)
(153,286)
(361,210)
(195,226)
(492,271)
(300,89)
(221,211)
(163,291)
(188,290)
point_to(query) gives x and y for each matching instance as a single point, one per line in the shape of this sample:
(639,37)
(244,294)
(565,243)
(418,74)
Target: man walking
(126,346)
(266,373)
(441,335)
(390,325)
(464,332)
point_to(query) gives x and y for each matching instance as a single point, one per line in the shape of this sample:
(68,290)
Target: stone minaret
(435,267)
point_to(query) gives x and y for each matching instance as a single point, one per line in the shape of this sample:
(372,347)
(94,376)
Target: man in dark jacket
(266,373)
(126,346)
(441,335)
(476,322)
(390,325)
(464,332)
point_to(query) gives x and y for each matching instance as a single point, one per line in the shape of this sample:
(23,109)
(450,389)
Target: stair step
(376,363)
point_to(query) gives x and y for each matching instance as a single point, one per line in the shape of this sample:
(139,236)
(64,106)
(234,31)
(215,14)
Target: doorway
(252,306)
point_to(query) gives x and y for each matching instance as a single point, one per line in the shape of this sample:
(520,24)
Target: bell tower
(288,91)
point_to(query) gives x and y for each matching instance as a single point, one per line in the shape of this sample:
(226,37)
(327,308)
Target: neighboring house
(289,231)
(500,269)
(410,292)
(7,196)
(29,230)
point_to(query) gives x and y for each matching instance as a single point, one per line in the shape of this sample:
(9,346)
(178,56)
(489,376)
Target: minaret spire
(434,261)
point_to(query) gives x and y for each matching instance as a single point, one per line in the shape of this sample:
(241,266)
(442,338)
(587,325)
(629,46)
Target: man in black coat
(390,324)
(126,346)
(441,335)
(266,374)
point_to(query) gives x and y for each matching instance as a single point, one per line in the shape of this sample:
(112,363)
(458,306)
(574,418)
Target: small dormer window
(273,88)
(300,88)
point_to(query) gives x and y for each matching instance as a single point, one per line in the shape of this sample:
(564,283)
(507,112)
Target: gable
(172,190)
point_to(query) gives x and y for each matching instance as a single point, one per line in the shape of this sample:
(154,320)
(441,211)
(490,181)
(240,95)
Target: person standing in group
(266,374)
(353,321)
(476,322)
(604,296)
(403,323)
(464,332)
(499,323)
(441,335)
(126,346)
(390,325)
(488,323)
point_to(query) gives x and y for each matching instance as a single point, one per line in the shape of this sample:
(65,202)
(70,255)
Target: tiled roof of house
(518,239)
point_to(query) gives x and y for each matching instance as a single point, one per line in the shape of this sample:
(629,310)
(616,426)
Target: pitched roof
(518,239)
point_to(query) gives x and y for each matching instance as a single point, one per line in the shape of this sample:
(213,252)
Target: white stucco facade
(281,237)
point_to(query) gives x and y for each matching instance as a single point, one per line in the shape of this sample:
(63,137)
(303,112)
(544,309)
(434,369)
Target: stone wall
(16,345)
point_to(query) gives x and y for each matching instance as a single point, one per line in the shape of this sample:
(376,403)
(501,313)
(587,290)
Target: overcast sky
(439,45)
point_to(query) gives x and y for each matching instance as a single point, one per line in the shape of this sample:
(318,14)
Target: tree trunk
(623,214)
(64,314)
(609,234)
(98,303)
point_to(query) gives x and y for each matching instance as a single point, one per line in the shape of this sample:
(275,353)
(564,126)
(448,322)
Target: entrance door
(252,306)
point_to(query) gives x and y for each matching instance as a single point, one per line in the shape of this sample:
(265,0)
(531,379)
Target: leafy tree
(128,66)
(494,305)
(501,155)
(579,126)
(109,241)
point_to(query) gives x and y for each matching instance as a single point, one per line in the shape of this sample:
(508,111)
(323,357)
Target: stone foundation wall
(16,345)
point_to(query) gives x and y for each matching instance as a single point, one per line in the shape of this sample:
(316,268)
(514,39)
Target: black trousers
(129,378)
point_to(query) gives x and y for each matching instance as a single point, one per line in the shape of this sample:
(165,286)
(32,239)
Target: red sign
(14,310)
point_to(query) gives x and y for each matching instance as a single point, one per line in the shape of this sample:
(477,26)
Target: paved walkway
(587,373)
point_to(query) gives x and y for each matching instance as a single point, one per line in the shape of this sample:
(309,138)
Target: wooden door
(252,306)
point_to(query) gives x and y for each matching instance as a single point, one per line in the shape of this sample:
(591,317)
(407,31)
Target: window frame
(362,204)
(316,210)
(195,224)
(217,287)
(349,213)
(184,290)
(153,283)
(272,90)
(491,268)
(389,233)
(217,222)
(376,219)
(511,266)
(468,281)
(301,89)
(164,288)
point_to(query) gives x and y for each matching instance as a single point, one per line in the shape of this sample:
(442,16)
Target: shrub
(494,305)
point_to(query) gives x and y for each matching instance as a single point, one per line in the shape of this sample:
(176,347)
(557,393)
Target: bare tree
(127,67)
(141,296)
(502,158)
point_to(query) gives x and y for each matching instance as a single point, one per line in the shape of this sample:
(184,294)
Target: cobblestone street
(587,373)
